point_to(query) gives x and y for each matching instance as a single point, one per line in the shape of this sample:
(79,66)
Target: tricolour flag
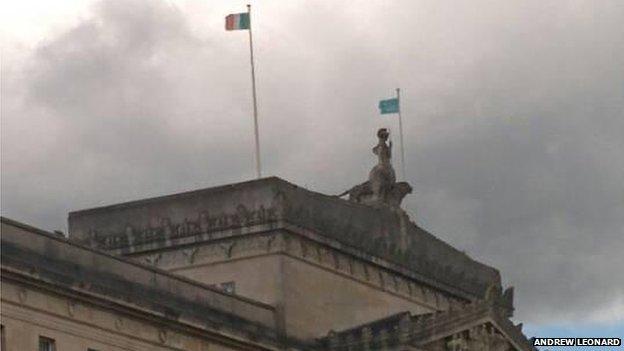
(389,106)
(237,21)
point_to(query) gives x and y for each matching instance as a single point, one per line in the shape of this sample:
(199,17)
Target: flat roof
(381,231)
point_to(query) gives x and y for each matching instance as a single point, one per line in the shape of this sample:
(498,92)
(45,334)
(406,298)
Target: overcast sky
(513,119)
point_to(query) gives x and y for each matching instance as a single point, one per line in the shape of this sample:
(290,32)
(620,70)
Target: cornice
(309,248)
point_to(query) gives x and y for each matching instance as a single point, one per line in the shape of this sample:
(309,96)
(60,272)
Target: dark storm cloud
(514,115)
(121,113)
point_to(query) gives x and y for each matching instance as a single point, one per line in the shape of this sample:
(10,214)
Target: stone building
(259,265)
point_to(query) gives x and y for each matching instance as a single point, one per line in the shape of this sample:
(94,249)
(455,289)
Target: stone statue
(382,177)
(381,186)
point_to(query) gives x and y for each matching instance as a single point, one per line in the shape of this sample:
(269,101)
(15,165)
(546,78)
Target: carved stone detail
(161,229)
(227,248)
(457,343)
(269,242)
(162,335)
(119,322)
(153,259)
(395,283)
(304,249)
(336,261)
(71,308)
(22,295)
(190,254)
(381,186)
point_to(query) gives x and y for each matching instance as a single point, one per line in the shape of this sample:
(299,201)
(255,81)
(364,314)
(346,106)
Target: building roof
(380,231)
(40,258)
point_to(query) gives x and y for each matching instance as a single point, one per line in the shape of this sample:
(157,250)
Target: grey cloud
(514,116)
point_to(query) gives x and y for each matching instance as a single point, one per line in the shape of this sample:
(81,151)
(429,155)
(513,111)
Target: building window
(46,344)
(229,287)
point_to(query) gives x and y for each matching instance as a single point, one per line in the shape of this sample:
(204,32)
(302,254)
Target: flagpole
(255,105)
(398,92)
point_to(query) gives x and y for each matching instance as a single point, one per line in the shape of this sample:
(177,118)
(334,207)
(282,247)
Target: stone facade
(80,297)
(256,265)
(270,204)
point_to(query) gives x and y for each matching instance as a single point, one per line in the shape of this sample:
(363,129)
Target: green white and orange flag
(237,21)
(241,21)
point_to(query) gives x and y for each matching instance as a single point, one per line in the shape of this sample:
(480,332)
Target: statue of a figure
(381,186)
(382,177)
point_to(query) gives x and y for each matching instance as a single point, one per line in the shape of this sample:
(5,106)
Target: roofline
(394,316)
(185,326)
(216,189)
(480,313)
(28,227)
(131,262)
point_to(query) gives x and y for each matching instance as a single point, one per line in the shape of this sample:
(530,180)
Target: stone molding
(478,326)
(285,242)
(92,323)
(273,204)
(203,224)
(42,262)
(117,319)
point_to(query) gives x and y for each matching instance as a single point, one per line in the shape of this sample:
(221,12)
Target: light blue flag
(389,106)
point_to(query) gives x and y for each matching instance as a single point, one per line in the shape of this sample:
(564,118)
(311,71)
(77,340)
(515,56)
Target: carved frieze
(305,249)
(160,229)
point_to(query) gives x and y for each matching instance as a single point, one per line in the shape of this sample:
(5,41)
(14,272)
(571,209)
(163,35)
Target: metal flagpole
(255,105)
(398,91)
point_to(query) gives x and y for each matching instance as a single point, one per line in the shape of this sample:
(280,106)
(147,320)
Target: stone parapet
(271,204)
(480,325)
